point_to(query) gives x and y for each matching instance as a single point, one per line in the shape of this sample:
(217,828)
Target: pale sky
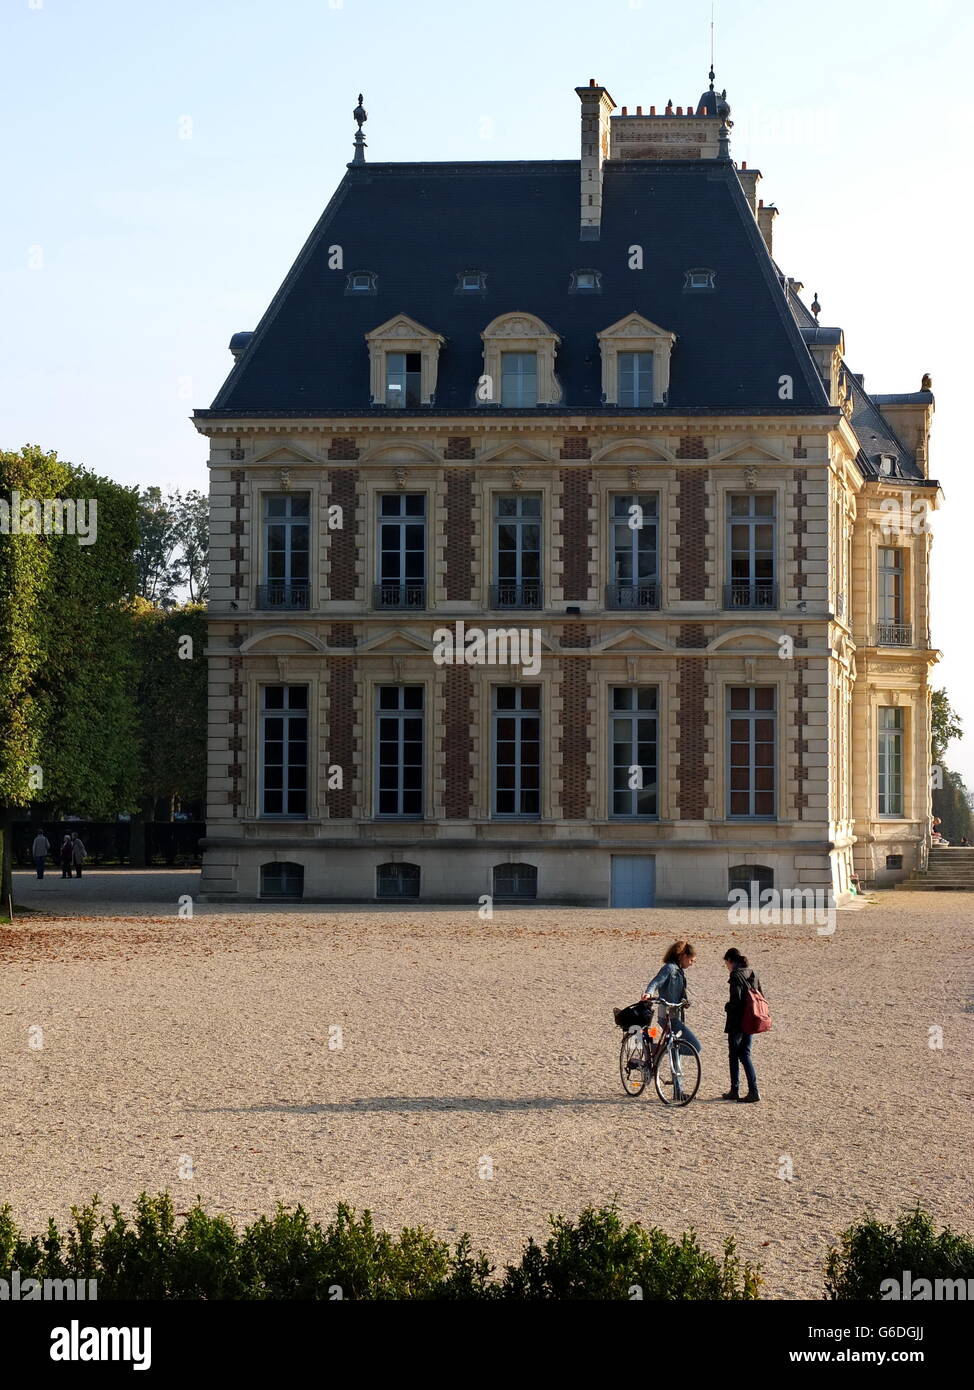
(163,164)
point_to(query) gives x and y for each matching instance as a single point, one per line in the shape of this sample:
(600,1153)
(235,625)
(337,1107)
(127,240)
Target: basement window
(699,279)
(281,880)
(894,861)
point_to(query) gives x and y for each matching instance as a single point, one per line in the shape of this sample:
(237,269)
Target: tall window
(517,750)
(399,741)
(517,552)
(284,750)
(633,741)
(635,378)
(402,551)
(286,551)
(404,371)
(890,761)
(519,378)
(750,546)
(890,584)
(635,552)
(751,750)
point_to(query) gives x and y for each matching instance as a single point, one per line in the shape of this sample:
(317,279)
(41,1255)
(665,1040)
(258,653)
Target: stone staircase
(949,870)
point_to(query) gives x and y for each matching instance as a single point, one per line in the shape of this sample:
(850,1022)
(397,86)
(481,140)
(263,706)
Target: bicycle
(673,1063)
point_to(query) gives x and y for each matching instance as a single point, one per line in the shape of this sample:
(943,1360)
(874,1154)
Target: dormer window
(699,279)
(361,282)
(519,362)
(635,362)
(585,282)
(403,357)
(471,281)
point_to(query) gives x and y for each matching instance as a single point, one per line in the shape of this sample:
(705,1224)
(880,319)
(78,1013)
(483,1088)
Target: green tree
(67,710)
(945,724)
(171,701)
(172,551)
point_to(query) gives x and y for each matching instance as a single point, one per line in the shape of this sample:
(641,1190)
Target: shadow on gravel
(394,1104)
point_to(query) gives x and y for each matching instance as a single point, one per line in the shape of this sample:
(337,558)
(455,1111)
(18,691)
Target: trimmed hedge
(871,1251)
(287,1256)
(155,1255)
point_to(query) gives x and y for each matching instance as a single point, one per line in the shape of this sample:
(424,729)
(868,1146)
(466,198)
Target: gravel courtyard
(470,1047)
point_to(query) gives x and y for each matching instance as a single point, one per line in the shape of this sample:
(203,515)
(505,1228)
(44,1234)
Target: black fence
(175,843)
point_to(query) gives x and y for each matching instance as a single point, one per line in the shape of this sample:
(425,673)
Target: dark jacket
(739,980)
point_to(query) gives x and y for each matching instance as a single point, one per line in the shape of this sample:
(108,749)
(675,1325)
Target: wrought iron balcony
(411,595)
(762,593)
(894,634)
(628,595)
(509,594)
(291,594)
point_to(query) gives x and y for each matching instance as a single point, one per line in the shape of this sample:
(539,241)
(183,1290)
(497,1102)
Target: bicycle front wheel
(677,1074)
(630,1064)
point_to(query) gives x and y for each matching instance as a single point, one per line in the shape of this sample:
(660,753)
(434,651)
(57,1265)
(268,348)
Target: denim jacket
(670,984)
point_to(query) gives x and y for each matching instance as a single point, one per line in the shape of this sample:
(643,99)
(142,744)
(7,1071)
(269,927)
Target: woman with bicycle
(740,978)
(670,985)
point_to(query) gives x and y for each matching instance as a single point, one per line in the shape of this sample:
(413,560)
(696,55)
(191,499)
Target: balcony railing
(391,595)
(527,594)
(628,595)
(762,593)
(290,594)
(894,634)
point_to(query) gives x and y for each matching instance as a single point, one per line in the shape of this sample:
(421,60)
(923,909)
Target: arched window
(397,881)
(515,881)
(519,362)
(743,875)
(282,880)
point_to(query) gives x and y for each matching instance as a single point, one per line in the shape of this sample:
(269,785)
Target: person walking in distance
(78,854)
(40,849)
(740,978)
(64,854)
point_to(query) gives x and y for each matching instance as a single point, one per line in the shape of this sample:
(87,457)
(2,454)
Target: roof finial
(816,307)
(359,115)
(712,46)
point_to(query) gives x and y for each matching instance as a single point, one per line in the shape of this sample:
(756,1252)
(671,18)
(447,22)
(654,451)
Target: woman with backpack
(741,979)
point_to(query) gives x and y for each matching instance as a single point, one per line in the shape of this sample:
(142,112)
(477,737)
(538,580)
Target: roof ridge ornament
(360,116)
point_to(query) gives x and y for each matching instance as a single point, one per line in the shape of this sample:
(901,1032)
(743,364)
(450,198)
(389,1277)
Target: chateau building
(556,553)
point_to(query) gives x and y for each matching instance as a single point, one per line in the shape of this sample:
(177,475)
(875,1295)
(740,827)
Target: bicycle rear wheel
(630,1064)
(677,1074)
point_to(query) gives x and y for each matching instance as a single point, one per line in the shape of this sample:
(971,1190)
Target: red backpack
(756,1017)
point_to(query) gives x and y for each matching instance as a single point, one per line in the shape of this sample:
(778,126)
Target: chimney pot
(639,110)
(652,110)
(760,202)
(679,110)
(592,82)
(743,163)
(689,110)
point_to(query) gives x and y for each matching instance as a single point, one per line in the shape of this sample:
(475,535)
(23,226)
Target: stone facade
(829,528)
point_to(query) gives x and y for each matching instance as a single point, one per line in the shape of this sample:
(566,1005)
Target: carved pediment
(281,640)
(286,453)
(749,451)
(631,451)
(635,326)
(518,325)
(401,328)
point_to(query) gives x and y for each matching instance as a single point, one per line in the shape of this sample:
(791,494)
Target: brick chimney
(749,182)
(597,107)
(766,217)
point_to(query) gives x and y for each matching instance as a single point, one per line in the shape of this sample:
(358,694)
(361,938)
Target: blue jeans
(739,1055)
(39,865)
(681,1028)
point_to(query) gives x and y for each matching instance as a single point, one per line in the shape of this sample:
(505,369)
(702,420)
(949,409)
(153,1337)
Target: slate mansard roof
(416,226)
